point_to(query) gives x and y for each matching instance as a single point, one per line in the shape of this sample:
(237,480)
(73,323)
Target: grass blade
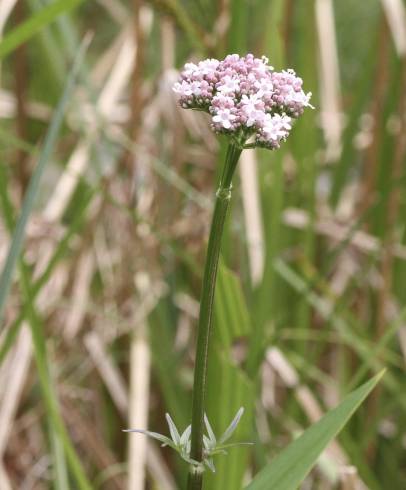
(289,469)
(37,286)
(29,199)
(34,24)
(48,390)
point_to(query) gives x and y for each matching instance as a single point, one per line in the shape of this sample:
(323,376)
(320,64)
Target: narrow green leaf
(186,435)
(173,430)
(34,24)
(231,313)
(346,331)
(210,432)
(37,286)
(49,395)
(59,438)
(60,470)
(180,15)
(231,428)
(155,435)
(31,194)
(289,468)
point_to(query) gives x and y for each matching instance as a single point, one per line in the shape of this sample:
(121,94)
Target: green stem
(206,312)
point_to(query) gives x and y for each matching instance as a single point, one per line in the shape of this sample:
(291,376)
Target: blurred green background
(99,327)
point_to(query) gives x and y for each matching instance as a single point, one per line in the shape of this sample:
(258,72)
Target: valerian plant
(254,106)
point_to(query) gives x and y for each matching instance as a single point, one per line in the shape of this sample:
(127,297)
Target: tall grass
(114,242)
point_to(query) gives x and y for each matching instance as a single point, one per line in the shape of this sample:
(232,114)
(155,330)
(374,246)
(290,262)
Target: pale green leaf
(34,24)
(33,187)
(173,430)
(290,467)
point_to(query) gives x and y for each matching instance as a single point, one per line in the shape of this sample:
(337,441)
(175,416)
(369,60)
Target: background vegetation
(99,326)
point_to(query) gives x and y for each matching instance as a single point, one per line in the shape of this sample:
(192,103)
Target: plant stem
(223,196)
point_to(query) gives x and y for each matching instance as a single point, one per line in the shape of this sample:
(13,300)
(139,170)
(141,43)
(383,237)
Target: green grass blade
(289,469)
(238,29)
(59,252)
(29,199)
(60,467)
(59,441)
(273,200)
(182,18)
(347,333)
(9,139)
(48,49)
(47,388)
(274,43)
(34,24)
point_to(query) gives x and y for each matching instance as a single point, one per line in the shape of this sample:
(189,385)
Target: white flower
(300,98)
(223,101)
(187,89)
(253,108)
(224,117)
(189,69)
(276,127)
(264,87)
(229,85)
(209,66)
(195,88)
(252,99)
(178,88)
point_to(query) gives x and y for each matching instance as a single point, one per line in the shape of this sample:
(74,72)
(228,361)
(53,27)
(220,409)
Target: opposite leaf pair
(181,442)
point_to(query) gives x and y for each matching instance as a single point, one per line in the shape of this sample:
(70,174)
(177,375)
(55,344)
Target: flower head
(245,97)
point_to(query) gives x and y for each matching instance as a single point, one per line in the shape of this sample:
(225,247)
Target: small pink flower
(223,101)
(189,69)
(275,129)
(224,118)
(229,85)
(253,108)
(209,66)
(180,88)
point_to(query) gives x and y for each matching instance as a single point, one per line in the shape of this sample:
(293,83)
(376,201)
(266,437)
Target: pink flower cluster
(245,97)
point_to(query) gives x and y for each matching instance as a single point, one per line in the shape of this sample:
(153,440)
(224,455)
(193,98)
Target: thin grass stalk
(47,386)
(21,87)
(34,24)
(223,197)
(59,438)
(38,284)
(33,187)
(181,17)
